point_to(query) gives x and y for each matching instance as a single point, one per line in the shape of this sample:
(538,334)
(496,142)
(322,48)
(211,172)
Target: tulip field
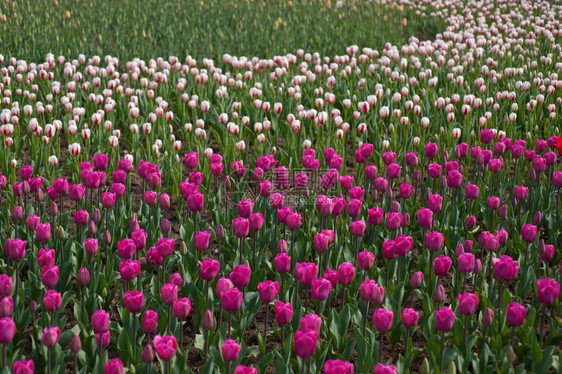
(305,186)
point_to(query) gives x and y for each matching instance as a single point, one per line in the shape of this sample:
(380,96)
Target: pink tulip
(268,291)
(201,240)
(311,322)
(505,268)
(468,302)
(516,313)
(548,290)
(114,366)
(283,312)
(231,300)
(52,300)
(376,215)
(51,336)
(6,285)
(425,218)
(209,269)
(256,222)
(306,273)
(240,227)
(165,247)
(245,208)
(434,240)
(169,293)
(50,276)
(15,248)
(529,233)
(435,203)
(134,301)
(382,369)
(382,319)
(409,317)
(240,276)
(320,289)
(165,346)
(150,321)
(442,265)
(129,269)
(100,321)
(466,262)
(181,308)
(230,350)
(305,343)
(23,367)
(445,318)
(7,330)
(366,260)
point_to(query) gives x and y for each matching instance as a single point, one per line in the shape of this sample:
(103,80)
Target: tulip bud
(502,214)
(17,213)
(459,250)
(165,226)
(443,182)
(61,234)
(92,228)
(511,356)
(107,237)
(427,193)
(220,232)
(133,223)
(32,306)
(75,344)
(488,317)
(477,267)
(439,294)
(183,248)
(104,292)
(416,279)
(147,354)
(208,321)
(227,183)
(470,222)
(388,194)
(83,277)
(53,209)
(425,366)
(452,368)
(537,218)
(282,246)
(541,247)
(96,217)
